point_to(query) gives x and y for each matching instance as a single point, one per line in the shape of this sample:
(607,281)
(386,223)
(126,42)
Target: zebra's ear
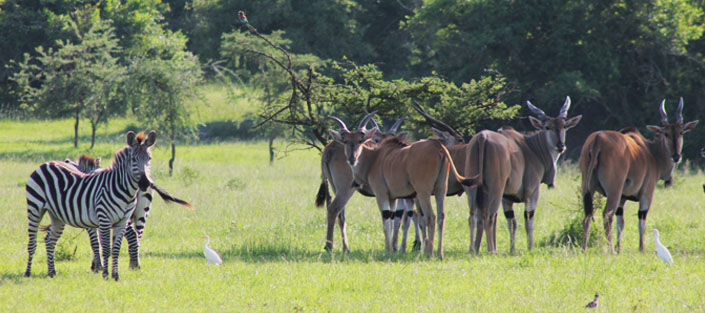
(151,138)
(131,141)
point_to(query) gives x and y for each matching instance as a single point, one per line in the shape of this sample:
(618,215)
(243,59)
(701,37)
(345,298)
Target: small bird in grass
(242,18)
(593,304)
(211,255)
(661,250)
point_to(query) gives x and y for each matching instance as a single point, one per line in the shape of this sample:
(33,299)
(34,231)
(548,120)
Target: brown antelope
(625,166)
(393,169)
(511,167)
(335,169)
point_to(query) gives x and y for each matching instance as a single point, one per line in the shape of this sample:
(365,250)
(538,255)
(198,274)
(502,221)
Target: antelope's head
(352,140)
(671,134)
(554,128)
(140,157)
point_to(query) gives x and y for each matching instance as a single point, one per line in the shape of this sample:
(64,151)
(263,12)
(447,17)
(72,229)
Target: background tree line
(616,59)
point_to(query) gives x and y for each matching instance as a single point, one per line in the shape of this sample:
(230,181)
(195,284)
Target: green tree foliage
(616,59)
(348,90)
(79,79)
(159,83)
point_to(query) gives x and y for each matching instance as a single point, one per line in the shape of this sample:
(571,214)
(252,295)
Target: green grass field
(262,220)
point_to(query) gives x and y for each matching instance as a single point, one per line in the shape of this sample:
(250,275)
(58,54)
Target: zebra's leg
(133,243)
(55,231)
(406,221)
(118,232)
(95,246)
(104,235)
(34,215)
(411,215)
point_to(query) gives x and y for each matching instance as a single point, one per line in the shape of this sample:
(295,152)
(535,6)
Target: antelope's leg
(398,213)
(334,209)
(343,230)
(387,220)
(530,208)
(587,220)
(644,205)
(607,215)
(424,202)
(407,207)
(474,220)
(620,223)
(508,207)
(441,220)
(490,218)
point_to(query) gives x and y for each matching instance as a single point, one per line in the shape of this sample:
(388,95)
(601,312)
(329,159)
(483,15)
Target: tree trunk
(271,150)
(173,156)
(75,130)
(93,127)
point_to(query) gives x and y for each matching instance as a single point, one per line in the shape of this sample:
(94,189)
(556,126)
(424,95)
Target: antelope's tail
(322,196)
(167,197)
(465,181)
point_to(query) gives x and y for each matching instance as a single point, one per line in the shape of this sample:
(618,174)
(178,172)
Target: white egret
(593,304)
(211,255)
(661,250)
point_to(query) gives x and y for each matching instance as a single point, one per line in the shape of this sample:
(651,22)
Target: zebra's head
(141,157)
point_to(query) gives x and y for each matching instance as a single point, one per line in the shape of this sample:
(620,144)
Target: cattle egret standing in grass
(211,255)
(661,250)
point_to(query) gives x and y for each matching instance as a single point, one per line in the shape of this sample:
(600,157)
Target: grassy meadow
(262,220)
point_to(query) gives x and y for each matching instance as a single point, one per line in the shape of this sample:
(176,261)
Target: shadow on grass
(283,254)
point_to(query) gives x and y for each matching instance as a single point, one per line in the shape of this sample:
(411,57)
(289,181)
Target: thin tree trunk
(271,150)
(93,127)
(173,156)
(75,130)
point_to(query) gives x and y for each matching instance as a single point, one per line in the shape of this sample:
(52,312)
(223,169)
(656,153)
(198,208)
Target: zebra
(103,200)
(135,225)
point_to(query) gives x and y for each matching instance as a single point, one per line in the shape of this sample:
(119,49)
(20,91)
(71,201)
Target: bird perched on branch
(661,250)
(593,304)
(242,18)
(211,255)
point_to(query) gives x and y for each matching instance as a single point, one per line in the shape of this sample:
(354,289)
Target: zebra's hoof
(96,268)
(26,274)
(135,265)
(116,277)
(105,275)
(52,274)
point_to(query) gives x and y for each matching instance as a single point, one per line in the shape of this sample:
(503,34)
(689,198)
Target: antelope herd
(494,167)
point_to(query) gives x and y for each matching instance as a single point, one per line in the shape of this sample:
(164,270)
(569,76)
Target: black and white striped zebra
(135,225)
(103,200)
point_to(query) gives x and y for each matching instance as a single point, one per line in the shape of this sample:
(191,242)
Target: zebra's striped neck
(120,172)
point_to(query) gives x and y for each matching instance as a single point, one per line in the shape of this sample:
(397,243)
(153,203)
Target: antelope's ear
(655,129)
(688,126)
(97,161)
(536,123)
(131,139)
(402,135)
(151,139)
(335,135)
(370,133)
(572,122)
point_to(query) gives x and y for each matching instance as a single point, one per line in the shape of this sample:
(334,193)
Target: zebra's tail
(44,228)
(167,197)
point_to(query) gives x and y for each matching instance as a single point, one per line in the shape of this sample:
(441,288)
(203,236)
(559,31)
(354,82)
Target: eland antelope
(511,167)
(625,166)
(394,169)
(336,171)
